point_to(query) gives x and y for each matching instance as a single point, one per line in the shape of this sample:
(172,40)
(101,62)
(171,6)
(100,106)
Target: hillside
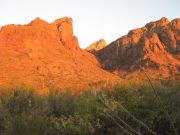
(154,47)
(41,55)
(47,57)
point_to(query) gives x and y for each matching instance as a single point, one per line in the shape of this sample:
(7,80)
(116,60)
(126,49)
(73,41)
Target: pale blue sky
(92,19)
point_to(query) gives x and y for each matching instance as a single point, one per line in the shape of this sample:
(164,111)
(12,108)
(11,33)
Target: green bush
(101,113)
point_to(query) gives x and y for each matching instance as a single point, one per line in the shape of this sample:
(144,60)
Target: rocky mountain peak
(155,24)
(40,55)
(98,45)
(63,20)
(154,47)
(38,22)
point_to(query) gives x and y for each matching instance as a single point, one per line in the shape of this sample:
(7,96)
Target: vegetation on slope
(120,112)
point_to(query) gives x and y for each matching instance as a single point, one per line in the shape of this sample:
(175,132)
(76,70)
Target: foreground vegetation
(137,111)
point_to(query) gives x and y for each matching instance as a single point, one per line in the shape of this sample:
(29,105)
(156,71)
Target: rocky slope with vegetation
(46,57)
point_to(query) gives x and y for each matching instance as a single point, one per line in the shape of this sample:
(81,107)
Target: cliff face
(155,47)
(65,29)
(42,55)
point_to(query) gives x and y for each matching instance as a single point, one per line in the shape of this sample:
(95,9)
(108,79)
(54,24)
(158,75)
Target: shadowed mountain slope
(154,47)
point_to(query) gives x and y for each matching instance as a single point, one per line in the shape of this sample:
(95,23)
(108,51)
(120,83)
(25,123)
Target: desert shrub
(143,104)
(71,125)
(60,104)
(90,113)
(20,101)
(3,119)
(27,124)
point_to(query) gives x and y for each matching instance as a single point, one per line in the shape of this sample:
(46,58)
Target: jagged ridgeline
(42,55)
(154,47)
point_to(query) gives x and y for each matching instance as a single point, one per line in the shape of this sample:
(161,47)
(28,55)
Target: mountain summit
(40,55)
(43,55)
(154,47)
(96,46)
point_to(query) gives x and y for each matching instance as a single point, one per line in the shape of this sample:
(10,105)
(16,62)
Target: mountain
(43,55)
(96,46)
(154,48)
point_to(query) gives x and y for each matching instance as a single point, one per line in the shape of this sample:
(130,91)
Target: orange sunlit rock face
(47,56)
(155,47)
(43,55)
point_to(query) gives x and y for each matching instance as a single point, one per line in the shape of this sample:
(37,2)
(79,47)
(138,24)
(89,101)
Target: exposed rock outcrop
(96,46)
(65,29)
(42,55)
(155,47)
